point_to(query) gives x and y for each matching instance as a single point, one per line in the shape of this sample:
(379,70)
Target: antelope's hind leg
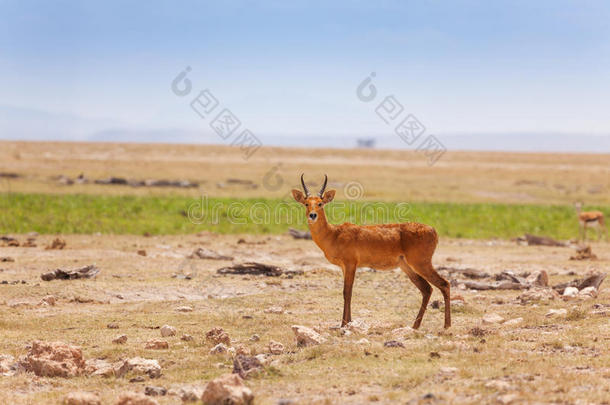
(426,270)
(423,286)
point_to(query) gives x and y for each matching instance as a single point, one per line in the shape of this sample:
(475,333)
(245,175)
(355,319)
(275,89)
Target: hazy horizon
(477,75)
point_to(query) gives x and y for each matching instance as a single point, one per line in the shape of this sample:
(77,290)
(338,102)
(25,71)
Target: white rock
(588,292)
(140,365)
(276,347)
(448,371)
(167,330)
(553,312)
(263,358)
(515,321)
(7,365)
(307,336)
(363,341)
(227,389)
(570,292)
(492,318)
(274,310)
(219,349)
(498,385)
(358,326)
(185,308)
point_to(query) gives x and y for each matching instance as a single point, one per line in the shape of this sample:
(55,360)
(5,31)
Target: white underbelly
(590,223)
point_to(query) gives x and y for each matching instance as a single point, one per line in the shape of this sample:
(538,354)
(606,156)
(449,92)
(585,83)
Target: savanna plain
(159,221)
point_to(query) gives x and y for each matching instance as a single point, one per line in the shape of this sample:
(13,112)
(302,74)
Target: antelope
(408,245)
(590,219)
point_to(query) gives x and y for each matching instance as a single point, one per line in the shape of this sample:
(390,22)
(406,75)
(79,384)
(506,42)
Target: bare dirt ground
(383,175)
(541,358)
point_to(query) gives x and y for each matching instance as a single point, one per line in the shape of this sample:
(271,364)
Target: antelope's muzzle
(313,216)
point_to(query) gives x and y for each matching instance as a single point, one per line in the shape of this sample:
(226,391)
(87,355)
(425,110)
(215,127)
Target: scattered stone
(202,253)
(434,355)
(492,318)
(140,366)
(156,344)
(393,343)
(220,348)
(498,385)
(535,294)
(99,367)
(538,278)
(6,259)
(264,359)
(7,365)
(274,310)
(570,292)
(82,398)
(59,274)
(508,398)
(227,389)
(167,330)
(276,347)
(187,338)
(306,336)
(583,253)
(513,322)
(448,371)
(154,391)
(121,339)
(478,332)
(246,366)
(185,308)
(53,359)
(56,244)
(187,393)
(358,326)
(558,312)
(218,335)
(255,338)
(588,292)
(48,300)
(31,242)
(141,252)
(242,349)
(363,341)
(112,325)
(134,398)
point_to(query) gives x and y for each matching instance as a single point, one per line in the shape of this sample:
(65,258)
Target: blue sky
(292,68)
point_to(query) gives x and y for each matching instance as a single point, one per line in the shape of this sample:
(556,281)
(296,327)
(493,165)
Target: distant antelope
(409,246)
(590,219)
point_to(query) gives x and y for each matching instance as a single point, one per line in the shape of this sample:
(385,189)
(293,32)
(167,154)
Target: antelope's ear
(328,196)
(298,196)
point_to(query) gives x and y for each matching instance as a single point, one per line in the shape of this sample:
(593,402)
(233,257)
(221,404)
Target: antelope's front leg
(349,273)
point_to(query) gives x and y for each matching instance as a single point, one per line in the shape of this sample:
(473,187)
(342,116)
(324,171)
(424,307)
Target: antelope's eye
(319,204)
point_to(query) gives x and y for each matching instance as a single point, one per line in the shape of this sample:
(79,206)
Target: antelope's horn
(304,186)
(321,193)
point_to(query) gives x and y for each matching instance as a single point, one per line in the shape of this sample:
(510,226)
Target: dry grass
(560,359)
(385,175)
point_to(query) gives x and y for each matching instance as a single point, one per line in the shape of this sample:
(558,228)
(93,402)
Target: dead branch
(534,240)
(594,280)
(59,274)
(202,253)
(296,234)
